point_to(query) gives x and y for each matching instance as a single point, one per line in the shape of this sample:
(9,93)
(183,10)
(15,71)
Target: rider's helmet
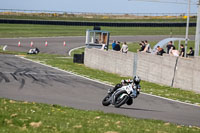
(136,79)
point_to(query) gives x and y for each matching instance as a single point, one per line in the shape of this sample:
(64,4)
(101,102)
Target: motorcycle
(123,95)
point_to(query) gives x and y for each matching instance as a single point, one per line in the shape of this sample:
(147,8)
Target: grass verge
(28,30)
(16,116)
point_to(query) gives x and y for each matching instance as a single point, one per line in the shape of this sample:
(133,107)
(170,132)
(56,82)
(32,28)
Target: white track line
(75,49)
(4,48)
(101,82)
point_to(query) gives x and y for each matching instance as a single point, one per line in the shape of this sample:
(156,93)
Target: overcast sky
(99,6)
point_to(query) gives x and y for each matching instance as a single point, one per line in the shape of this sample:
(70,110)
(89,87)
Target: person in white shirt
(147,47)
(124,48)
(174,52)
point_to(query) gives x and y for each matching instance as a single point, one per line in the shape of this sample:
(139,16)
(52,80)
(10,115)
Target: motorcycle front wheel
(119,100)
(106,100)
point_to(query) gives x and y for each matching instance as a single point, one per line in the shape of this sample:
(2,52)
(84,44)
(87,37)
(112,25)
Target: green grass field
(28,30)
(30,117)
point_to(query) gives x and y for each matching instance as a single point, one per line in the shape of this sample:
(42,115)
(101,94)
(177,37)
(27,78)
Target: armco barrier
(168,70)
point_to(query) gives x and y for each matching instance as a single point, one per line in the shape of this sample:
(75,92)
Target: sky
(99,6)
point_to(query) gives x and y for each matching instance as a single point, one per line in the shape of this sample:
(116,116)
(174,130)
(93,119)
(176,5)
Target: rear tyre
(106,100)
(120,101)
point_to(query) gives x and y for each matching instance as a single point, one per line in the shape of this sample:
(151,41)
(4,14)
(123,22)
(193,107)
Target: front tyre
(120,99)
(106,100)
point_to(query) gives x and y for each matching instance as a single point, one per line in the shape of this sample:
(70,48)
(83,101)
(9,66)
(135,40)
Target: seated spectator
(182,51)
(117,47)
(174,52)
(124,48)
(147,47)
(113,44)
(160,51)
(191,52)
(169,45)
(142,46)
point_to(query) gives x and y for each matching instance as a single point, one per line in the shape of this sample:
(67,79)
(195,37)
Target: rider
(136,86)
(135,82)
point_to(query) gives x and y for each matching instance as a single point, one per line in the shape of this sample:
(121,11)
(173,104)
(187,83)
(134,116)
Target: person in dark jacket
(160,51)
(117,47)
(169,46)
(191,52)
(142,46)
(182,52)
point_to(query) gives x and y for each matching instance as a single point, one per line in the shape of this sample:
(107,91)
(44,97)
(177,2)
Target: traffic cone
(19,44)
(64,43)
(46,43)
(31,44)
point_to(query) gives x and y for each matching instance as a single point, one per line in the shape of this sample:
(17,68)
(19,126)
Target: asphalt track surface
(24,80)
(55,44)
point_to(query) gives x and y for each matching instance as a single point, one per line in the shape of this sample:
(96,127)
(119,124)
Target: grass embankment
(24,117)
(28,30)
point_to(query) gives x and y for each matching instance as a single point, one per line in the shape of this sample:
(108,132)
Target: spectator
(160,51)
(191,52)
(174,52)
(113,44)
(147,47)
(182,51)
(169,45)
(142,46)
(124,48)
(117,47)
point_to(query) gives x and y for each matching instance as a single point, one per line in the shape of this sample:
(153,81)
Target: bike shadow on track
(139,109)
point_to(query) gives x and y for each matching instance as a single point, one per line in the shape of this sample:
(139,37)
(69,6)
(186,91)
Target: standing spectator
(191,52)
(147,47)
(169,45)
(124,48)
(142,46)
(182,51)
(113,44)
(117,47)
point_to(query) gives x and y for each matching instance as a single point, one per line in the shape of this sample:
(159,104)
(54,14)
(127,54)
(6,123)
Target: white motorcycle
(123,95)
